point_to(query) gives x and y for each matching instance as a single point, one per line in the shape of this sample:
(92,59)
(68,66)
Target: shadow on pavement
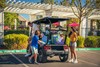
(9,59)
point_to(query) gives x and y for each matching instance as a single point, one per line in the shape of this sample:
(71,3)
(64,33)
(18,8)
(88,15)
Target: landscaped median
(24,50)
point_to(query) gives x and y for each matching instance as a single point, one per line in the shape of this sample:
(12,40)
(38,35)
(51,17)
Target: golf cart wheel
(63,58)
(42,58)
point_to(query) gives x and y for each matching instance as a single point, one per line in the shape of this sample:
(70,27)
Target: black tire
(42,58)
(63,58)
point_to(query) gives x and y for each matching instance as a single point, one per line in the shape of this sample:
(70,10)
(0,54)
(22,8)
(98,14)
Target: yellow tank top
(73,37)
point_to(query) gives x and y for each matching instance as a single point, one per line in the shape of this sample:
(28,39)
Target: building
(23,22)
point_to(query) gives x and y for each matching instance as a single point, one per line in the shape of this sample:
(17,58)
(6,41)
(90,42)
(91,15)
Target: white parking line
(19,60)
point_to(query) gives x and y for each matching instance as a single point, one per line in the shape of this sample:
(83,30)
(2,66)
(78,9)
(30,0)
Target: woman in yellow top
(73,45)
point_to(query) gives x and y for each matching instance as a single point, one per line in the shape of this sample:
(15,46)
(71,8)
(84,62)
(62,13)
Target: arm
(39,42)
(76,37)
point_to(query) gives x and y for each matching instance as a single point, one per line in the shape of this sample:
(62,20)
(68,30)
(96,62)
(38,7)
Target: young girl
(73,45)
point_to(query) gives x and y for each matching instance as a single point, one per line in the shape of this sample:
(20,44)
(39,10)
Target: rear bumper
(55,52)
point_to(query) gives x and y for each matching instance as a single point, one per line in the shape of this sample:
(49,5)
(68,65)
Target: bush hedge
(26,32)
(15,41)
(80,41)
(68,41)
(98,41)
(92,41)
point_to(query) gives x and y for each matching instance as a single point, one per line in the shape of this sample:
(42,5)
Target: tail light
(65,48)
(47,47)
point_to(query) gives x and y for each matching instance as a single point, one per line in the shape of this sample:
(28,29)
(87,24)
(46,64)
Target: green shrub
(26,32)
(68,41)
(91,41)
(80,41)
(16,41)
(98,41)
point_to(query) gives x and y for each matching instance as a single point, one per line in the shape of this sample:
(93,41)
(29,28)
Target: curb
(13,51)
(24,50)
(86,49)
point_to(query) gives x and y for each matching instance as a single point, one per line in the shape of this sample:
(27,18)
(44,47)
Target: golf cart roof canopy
(48,20)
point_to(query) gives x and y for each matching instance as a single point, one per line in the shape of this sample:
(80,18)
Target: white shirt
(34,28)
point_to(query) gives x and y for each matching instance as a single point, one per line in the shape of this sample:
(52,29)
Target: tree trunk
(79,30)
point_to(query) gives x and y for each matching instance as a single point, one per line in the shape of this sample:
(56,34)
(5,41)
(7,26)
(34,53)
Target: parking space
(85,58)
(6,60)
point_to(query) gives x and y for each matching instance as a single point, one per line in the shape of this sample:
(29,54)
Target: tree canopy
(84,8)
(97,4)
(48,1)
(9,18)
(2,3)
(64,2)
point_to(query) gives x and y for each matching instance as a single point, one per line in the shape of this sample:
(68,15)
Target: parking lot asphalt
(85,58)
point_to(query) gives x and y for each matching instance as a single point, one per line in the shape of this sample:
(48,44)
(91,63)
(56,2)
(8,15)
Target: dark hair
(70,33)
(29,23)
(36,32)
(73,29)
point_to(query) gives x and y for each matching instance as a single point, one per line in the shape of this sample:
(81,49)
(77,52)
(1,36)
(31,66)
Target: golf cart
(52,34)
